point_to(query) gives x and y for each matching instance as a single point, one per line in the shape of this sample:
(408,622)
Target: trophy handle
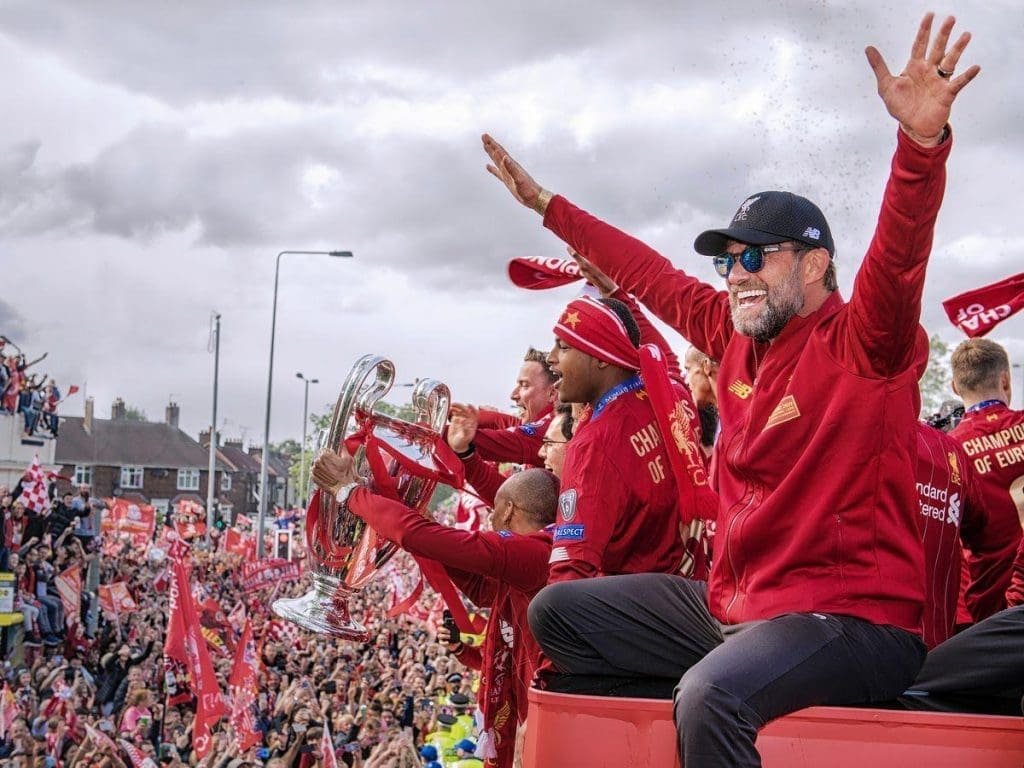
(431,401)
(368,381)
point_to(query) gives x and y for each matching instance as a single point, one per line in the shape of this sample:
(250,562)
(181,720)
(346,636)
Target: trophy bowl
(344,553)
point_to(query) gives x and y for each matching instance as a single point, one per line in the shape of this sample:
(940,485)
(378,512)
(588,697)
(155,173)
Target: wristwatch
(343,493)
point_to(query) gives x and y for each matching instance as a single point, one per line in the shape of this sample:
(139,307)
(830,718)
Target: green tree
(131,413)
(936,383)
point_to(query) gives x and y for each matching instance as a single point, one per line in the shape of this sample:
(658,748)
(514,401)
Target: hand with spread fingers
(333,470)
(921,97)
(514,176)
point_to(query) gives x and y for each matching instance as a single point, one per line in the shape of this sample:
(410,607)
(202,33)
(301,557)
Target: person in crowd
(992,436)
(775,630)
(500,570)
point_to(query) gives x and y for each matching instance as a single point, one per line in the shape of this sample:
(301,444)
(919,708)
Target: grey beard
(768,325)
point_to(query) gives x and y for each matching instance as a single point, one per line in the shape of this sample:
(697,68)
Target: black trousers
(731,680)
(979,670)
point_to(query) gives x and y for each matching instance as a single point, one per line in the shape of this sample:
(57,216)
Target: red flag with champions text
(978,311)
(185,643)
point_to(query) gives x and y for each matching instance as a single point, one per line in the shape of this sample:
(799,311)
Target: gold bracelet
(540,205)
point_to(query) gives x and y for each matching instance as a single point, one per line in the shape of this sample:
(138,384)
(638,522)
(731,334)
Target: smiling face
(763,302)
(533,391)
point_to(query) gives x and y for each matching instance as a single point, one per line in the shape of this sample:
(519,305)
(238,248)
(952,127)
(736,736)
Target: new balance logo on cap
(813,233)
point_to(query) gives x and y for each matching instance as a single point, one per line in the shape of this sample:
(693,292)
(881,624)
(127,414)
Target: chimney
(118,412)
(236,443)
(171,414)
(204,438)
(87,419)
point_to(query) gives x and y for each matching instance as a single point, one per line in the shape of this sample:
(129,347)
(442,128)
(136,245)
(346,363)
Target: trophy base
(324,610)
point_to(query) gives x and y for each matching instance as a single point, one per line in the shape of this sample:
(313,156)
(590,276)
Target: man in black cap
(816,591)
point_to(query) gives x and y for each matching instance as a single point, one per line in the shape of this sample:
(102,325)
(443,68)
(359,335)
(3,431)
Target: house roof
(243,461)
(122,442)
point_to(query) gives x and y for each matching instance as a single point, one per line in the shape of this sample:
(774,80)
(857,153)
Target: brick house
(153,462)
(245,465)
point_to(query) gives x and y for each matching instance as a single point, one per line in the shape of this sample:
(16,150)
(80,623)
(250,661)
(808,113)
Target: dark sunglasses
(751,257)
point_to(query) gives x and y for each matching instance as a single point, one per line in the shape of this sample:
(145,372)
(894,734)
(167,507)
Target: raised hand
(921,96)
(463,426)
(514,176)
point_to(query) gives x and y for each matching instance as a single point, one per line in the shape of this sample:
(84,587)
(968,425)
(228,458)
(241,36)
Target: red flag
(329,758)
(539,272)
(185,643)
(469,512)
(137,756)
(33,488)
(69,587)
(115,599)
(978,311)
(243,685)
(71,390)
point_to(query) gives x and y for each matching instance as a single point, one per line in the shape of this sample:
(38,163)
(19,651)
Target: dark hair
(568,422)
(620,309)
(534,355)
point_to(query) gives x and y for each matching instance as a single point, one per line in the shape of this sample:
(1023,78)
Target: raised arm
(886,302)
(698,311)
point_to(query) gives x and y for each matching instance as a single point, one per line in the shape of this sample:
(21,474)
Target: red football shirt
(992,437)
(947,494)
(617,510)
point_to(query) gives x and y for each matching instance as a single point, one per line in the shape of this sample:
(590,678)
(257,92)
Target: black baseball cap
(770,217)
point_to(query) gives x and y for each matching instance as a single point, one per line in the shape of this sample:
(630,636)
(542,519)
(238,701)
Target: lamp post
(264,495)
(305,418)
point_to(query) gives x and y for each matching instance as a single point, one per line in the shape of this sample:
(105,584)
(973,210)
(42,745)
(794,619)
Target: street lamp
(305,418)
(264,495)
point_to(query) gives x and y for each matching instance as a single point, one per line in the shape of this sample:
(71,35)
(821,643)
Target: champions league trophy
(399,459)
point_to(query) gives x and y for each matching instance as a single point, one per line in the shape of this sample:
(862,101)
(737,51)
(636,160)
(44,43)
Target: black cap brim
(714,241)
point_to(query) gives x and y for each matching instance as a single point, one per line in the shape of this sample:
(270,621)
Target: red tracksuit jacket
(816,459)
(993,439)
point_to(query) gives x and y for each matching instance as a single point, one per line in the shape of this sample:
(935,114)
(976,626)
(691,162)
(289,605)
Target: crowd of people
(36,397)
(765,526)
(101,690)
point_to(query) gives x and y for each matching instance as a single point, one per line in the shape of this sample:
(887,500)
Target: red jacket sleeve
(489,419)
(883,317)
(471,657)
(695,309)
(519,445)
(520,561)
(483,476)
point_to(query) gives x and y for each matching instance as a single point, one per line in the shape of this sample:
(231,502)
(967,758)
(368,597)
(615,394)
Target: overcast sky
(155,157)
